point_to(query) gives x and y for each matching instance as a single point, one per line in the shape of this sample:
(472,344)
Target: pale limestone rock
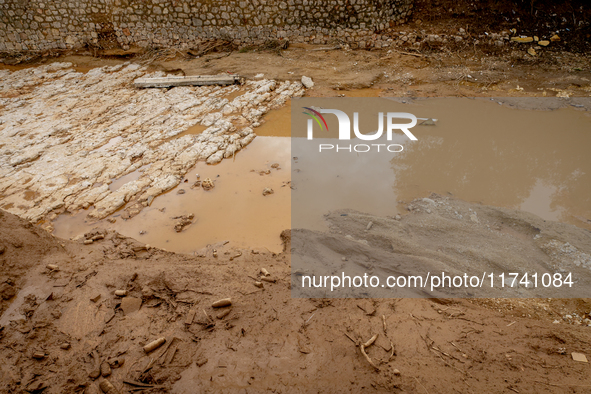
(69,135)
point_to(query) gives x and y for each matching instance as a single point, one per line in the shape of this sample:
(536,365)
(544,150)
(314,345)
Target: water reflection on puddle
(478,151)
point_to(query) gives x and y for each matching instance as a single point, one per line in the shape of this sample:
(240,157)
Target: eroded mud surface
(60,308)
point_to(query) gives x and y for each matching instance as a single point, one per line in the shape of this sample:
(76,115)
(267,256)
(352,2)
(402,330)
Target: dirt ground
(66,321)
(61,319)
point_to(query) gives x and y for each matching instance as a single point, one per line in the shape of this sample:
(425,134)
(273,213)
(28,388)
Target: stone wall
(45,24)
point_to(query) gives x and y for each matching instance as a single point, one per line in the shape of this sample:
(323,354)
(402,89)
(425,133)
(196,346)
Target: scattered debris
(121,293)
(190,317)
(96,371)
(267,191)
(130,305)
(107,387)
(207,184)
(39,355)
(365,345)
(116,362)
(154,345)
(182,222)
(579,357)
(95,297)
(224,313)
(307,82)
(222,303)
(190,80)
(522,39)
(105,369)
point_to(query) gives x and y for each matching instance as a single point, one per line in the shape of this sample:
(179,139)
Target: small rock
(369,226)
(201,362)
(87,241)
(116,362)
(275,165)
(396,372)
(544,43)
(579,357)
(121,293)
(555,37)
(95,297)
(183,221)
(95,373)
(105,369)
(207,184)
(259,284)
(52,267)
(307,82)
(267,191)
(222,303)
(223,314)
(531,51)
(181,191)
(397,217)
(39,355)
(265,272)
(259,76)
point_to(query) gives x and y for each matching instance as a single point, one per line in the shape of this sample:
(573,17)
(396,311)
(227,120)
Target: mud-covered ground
(62,320)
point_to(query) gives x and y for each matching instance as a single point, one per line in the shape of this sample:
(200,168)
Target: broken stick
(368,344)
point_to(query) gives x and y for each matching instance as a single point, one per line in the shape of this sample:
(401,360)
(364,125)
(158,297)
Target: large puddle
(538,162)
(234,210)
(478,151)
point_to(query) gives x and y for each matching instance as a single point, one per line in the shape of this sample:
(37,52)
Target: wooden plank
(191,80)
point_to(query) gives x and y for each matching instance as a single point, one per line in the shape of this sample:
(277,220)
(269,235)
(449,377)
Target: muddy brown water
(478,151)
(235,210)
(539,164)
